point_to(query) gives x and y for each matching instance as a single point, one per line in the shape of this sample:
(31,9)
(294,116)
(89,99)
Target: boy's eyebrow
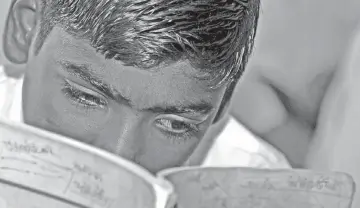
(83,72)
(202,108)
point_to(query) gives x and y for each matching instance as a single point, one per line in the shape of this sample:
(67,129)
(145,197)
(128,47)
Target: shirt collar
(16,110)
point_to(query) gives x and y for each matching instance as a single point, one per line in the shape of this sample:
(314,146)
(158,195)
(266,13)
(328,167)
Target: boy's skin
(155,118)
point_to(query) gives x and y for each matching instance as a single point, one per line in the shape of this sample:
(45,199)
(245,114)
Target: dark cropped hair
(216,36)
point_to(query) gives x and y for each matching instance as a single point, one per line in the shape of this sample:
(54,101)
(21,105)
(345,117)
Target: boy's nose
(125,136)
(128,144)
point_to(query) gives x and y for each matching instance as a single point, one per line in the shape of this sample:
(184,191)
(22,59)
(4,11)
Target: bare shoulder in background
(299,47)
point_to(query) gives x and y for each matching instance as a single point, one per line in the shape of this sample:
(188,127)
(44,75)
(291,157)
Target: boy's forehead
(175,82)
(80,50)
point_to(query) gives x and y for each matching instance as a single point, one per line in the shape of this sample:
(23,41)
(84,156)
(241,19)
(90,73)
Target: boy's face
(154,118)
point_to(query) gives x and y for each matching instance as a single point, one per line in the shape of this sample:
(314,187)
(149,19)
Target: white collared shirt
(234,146)
(10,97)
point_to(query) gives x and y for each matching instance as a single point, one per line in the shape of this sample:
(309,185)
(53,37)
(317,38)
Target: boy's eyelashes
(178,132)
(175,127)
(83,96)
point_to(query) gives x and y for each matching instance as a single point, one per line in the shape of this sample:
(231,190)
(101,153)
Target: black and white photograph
(179,103)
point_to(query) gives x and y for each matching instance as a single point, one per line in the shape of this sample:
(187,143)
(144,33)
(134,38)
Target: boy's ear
(20,30)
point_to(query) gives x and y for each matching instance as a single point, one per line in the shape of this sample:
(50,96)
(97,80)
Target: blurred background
(299,46)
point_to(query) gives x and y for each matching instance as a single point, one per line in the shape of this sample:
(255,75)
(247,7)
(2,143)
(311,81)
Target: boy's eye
(83,96)
(177,130)
(174,126)
(177,127)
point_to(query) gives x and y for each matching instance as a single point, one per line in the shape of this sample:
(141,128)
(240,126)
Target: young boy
(143,79)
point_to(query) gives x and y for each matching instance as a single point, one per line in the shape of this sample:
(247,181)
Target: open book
(42,169)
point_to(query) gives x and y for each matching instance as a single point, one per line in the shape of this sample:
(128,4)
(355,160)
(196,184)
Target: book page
(40,169)
(247,187)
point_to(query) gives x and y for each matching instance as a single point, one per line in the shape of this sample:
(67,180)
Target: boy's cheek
(50,109)
(74,121)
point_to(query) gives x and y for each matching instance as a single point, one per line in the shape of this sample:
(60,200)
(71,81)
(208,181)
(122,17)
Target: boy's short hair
(216,36)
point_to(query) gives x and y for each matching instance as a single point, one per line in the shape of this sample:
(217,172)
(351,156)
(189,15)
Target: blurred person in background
(299,49)
(335,144)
